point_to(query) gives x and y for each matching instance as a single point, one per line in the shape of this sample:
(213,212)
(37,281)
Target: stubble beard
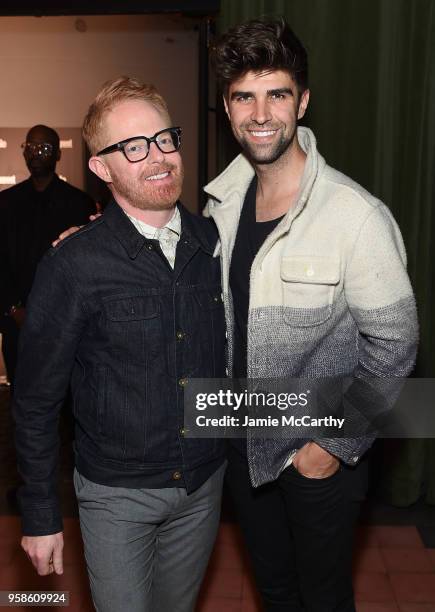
(265,154)
(145,195)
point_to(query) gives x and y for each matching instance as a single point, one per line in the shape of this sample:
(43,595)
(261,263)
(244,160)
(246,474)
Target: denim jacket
(108,314)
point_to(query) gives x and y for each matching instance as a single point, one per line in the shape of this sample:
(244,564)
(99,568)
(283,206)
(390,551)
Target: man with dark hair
(257,46)
(32,214)
(315,286)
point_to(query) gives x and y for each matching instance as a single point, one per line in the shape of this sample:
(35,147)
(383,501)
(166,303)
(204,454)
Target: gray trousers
(147,549)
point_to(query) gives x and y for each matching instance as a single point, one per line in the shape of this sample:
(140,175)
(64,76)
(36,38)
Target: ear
(59,155)
(227,110)
(98,167)
(303,103)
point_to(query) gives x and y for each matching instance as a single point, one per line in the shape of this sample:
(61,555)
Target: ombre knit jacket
(329,292)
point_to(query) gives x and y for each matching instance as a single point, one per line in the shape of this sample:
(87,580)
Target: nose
(155,156)
(261,112)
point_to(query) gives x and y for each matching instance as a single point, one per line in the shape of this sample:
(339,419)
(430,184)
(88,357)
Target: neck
(40,183)
(279,183)
(155,218)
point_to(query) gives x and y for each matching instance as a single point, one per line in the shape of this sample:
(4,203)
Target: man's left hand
(312,461)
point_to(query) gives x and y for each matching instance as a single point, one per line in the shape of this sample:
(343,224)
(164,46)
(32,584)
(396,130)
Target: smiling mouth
(262,133)
(157,177)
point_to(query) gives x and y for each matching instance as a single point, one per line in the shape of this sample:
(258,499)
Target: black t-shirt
(250,237)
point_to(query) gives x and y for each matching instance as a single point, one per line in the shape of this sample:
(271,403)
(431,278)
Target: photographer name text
(283,421)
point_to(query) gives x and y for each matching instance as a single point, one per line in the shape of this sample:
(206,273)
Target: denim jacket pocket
(134,308)
(134,327)
(308,284)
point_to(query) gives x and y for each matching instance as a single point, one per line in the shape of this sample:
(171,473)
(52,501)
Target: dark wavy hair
(259,45)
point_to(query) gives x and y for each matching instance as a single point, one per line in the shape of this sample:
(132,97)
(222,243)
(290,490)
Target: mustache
(254,127)
(166,167)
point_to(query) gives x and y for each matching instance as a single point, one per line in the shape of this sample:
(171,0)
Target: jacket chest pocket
(308,284)
(129,310)
(133,325)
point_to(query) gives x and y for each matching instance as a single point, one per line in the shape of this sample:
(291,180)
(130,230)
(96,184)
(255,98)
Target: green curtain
(372,109)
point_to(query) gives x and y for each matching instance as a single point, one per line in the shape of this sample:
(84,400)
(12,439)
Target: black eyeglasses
(137,148)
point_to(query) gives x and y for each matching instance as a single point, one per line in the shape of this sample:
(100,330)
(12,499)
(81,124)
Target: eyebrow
(280,90)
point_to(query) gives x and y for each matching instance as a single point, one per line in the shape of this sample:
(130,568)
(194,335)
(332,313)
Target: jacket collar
(123,229)
(193,229)
(133,241)
(172,227)
(235,179)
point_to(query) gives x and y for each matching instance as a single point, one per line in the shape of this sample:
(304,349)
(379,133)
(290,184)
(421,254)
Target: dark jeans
(299,534)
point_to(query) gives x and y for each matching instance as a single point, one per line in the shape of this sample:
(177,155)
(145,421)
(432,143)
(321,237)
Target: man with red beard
(127,309)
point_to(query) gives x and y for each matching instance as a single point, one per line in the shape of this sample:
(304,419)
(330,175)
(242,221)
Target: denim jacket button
(182,382)
(176,476)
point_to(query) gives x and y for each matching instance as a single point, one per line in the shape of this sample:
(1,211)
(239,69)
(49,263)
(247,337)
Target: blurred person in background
(32,214)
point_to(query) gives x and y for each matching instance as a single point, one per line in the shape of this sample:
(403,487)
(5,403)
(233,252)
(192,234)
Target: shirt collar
(197,230)
(149,231)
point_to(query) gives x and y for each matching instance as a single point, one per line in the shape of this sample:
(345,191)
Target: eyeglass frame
(119,146)
(38,146)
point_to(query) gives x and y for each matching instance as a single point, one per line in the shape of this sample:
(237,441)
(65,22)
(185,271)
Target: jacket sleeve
(381,302)
(55,320)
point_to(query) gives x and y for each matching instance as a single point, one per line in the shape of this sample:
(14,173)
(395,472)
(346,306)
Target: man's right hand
(45,552)
(313,461)
(72,230)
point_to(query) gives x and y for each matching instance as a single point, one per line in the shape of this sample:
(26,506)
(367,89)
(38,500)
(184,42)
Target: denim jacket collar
(133,241)
(124,231)
(192,229)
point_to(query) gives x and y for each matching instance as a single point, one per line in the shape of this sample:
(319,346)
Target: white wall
(50,71)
